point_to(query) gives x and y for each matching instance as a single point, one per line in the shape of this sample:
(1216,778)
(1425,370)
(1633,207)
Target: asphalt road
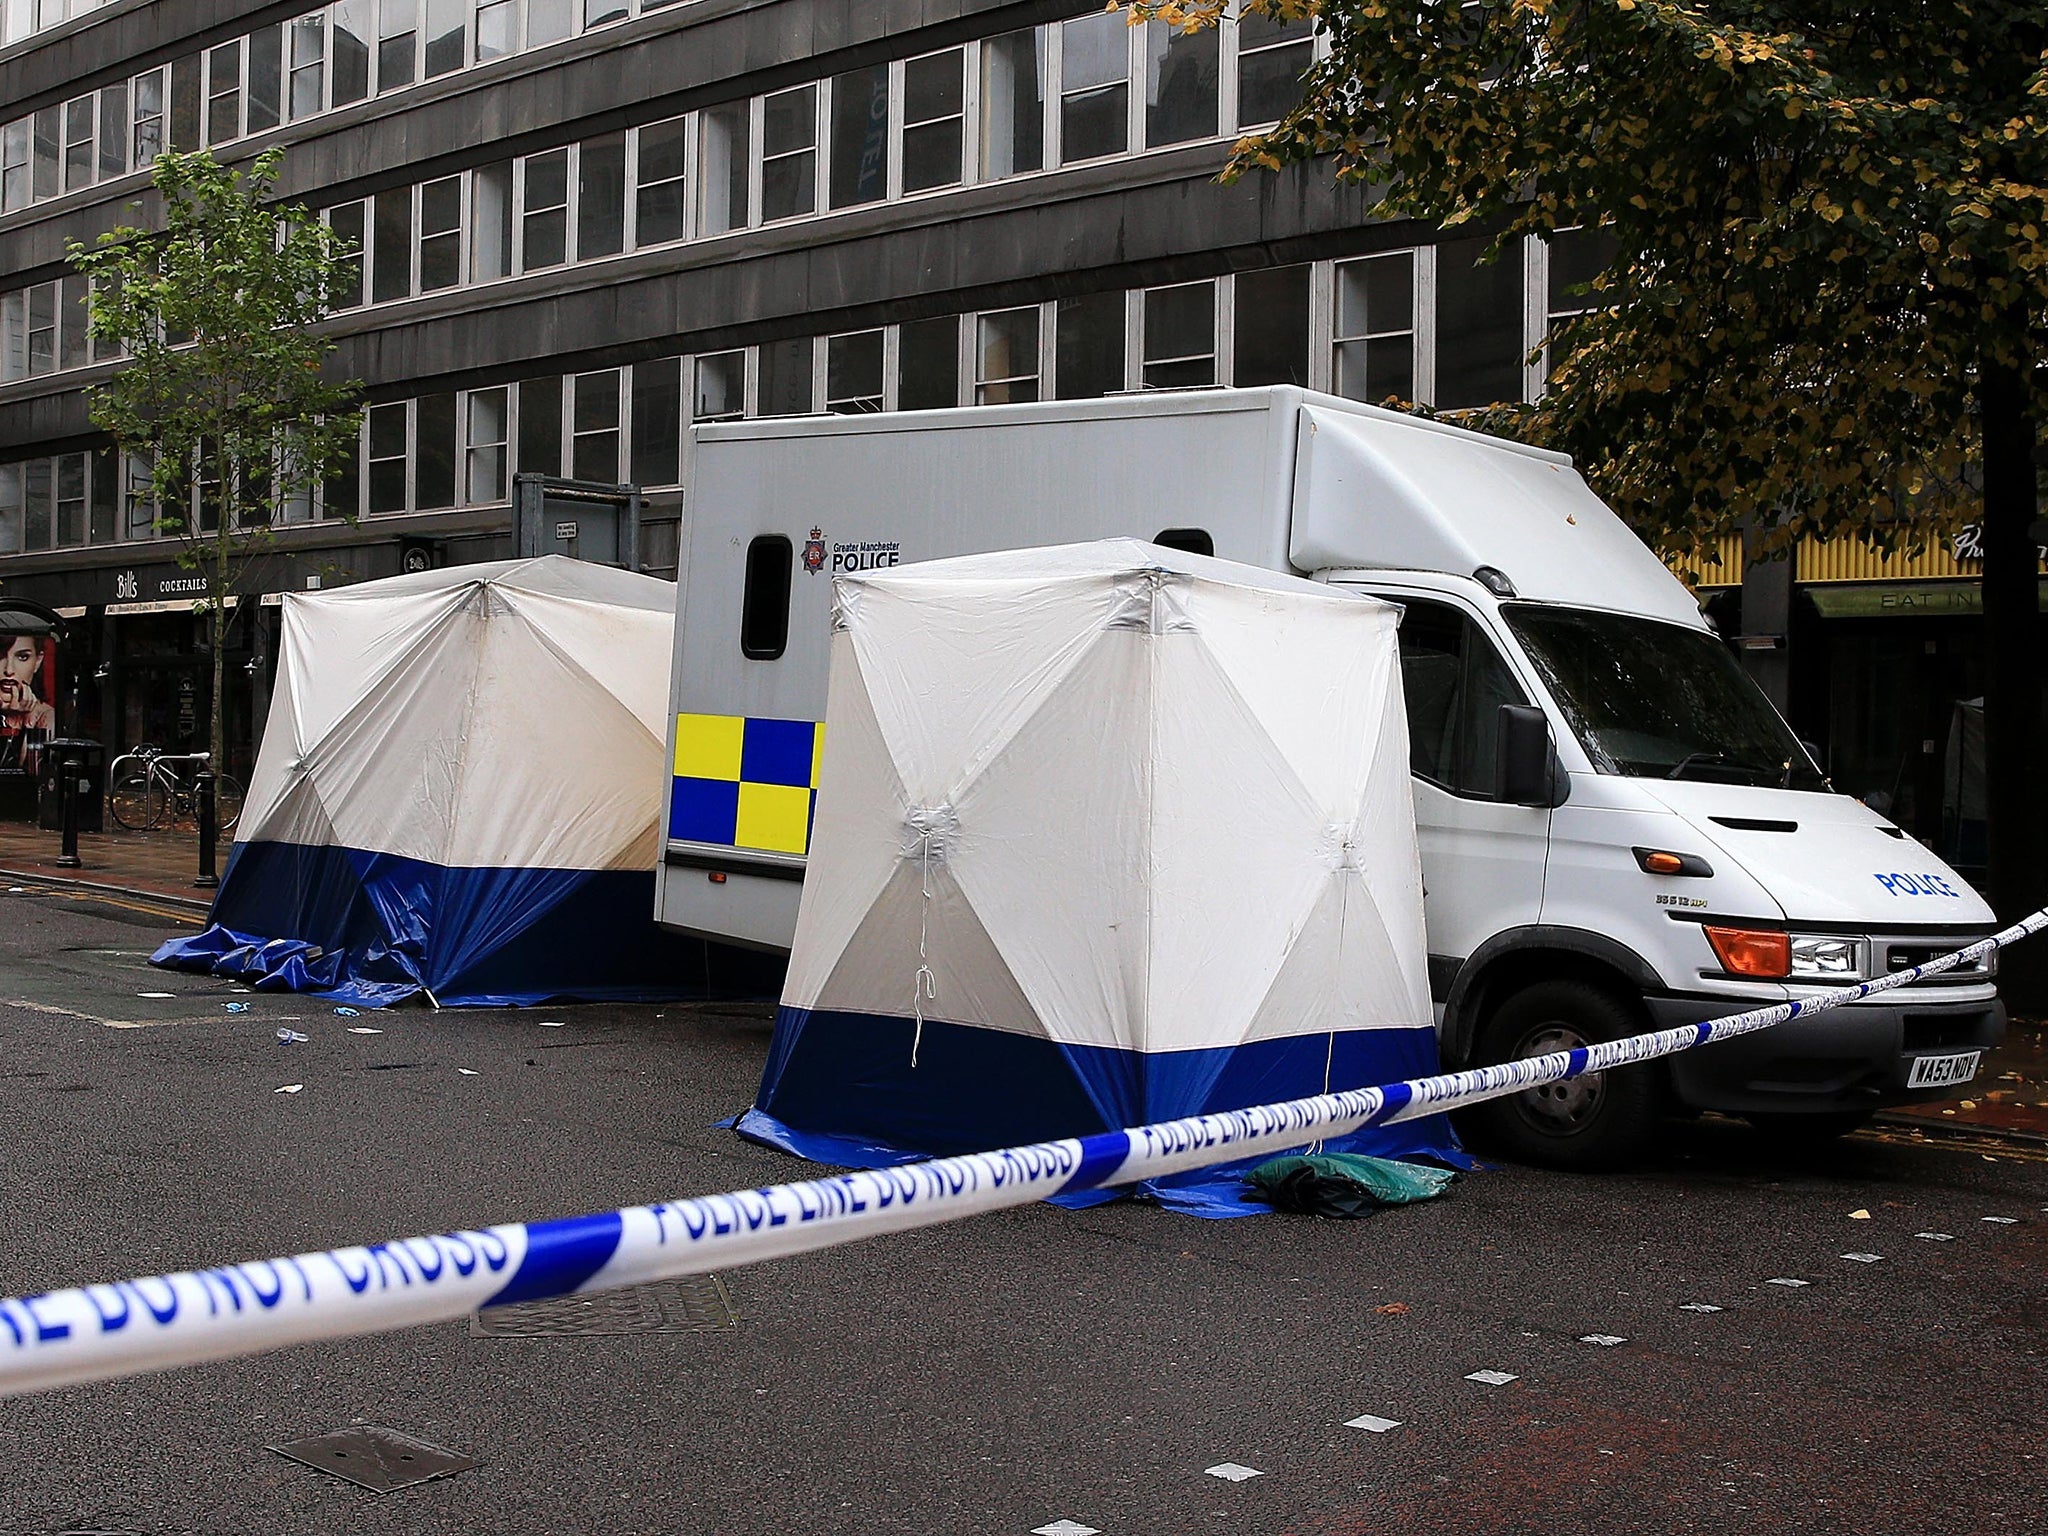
(999,1375)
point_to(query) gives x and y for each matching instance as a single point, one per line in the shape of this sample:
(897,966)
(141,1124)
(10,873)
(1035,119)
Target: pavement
(1000,1375)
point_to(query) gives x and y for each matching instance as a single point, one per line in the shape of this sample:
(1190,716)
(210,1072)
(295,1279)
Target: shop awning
(19,616)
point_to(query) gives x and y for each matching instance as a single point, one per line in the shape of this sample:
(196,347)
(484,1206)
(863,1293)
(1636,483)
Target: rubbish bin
(87,759)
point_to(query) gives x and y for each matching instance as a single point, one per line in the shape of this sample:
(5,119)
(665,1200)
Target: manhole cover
(693,1304)
(375,1458)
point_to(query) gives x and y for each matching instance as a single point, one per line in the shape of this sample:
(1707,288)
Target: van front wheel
(1598,1120)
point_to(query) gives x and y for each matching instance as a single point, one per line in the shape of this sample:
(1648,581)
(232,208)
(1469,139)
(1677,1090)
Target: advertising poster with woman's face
(28,687)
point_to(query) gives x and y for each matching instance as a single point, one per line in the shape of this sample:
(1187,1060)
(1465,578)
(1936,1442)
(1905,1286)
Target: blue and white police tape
(95,1332)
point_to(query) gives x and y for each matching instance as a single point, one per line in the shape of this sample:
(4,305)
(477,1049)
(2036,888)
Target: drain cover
(375,1458)
(693,1304)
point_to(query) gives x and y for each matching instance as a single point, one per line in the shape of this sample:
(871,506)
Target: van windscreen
(1657,700)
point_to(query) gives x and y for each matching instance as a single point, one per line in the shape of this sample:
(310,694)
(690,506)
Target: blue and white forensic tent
(1106,834)
(457,794)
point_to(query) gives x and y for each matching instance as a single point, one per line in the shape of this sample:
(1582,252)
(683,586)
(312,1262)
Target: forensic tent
(457,795)
(1106,834)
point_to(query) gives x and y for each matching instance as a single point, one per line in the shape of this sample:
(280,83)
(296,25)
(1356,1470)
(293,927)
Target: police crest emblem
(814,551)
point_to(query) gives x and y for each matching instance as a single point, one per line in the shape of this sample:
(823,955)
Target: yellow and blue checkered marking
(745,783)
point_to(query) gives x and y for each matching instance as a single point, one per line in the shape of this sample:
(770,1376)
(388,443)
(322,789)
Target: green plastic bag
(1344,1184)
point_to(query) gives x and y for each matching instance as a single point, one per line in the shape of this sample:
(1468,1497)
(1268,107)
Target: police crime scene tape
(128,1327)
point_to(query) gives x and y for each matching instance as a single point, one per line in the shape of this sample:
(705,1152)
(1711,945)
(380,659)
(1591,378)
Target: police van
(1618,831)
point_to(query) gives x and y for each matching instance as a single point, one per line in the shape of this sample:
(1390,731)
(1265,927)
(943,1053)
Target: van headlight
(1818,957)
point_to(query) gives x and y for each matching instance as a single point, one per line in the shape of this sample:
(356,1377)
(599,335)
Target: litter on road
(1231,1472)
(1936,1237)
(1859,1215)
(1781,1280)
(1065,1528)
(236,1007)
(156,994)
(1697,1306)
(1863,1258)
(289,1088)
(1608,1340)
(363,1029)
(291,1037)
(1492,1378)
(2001,1221)
(1372,1422)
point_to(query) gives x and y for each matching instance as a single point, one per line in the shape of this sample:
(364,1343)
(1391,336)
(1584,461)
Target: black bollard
(207,831)
(68,769)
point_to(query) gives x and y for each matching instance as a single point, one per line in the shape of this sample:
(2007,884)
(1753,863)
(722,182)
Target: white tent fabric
(1144,813)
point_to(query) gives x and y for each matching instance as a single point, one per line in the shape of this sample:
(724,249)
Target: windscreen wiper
(1718,760)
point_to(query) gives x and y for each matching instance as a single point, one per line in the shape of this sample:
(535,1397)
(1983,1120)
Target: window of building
(540,426)
(789,153)
(105,480)
(306,92)
(440,234)
(74,298)
(1088,345)
(37,513)
(1272,56)
(104,348)
(113,130)
(13,335)
(346,221)
(387,433)
(597,12)
(934,119)
(1269,327)
(351,50)
(659,205)
(147,135)
(720,389)
(1576,257)
(80,157)
(928,364)
(224,92)
(859,171)
(14,172)
(391,245)
(722,168)
(1006,355)
(490,240)
(1180,336)
(1095,86)
(497,29)
(853,373)
(485,434)
(1181,83)
(544,227)
(341,493)
(657,421)
(10,509)
(549,21)
(594,426)
(49,152)
(398,44)
(1012,104)
(1375,328)
(1479,343)
(70,499)
(42,328)
(188,102)
(601,197)
(785,384)
(265,106)
(447,47)
(764,601)
(434,451)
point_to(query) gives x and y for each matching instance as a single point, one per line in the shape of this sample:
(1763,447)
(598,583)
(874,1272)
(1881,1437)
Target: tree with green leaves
(222,393)
(1828,294)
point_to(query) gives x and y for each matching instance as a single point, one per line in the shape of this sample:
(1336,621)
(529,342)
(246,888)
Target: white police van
(1618,831)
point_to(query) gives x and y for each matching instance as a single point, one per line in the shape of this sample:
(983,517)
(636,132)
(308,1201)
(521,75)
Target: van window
(764,608)
(1455,683)
(1195,541)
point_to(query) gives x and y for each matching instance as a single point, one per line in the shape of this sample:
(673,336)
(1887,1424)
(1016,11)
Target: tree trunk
(2015,791)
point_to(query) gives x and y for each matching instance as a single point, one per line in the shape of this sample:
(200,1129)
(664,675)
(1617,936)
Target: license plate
(1942,1071)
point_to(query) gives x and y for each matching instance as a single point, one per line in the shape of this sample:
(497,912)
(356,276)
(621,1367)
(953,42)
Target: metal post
(68,769)
(207,831)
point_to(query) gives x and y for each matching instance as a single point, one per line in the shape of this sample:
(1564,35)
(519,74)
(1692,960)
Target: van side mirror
(1526,770)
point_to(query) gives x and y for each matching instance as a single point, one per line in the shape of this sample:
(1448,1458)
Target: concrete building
(585,224)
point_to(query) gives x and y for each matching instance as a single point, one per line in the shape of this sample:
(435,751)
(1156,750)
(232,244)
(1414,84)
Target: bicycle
(147,786)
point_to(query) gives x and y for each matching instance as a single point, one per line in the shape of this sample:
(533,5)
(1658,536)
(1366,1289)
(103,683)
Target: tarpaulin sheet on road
(457,794)
(1106,834)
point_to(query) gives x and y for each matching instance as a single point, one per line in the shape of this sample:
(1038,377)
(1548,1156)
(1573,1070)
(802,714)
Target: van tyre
(1600,1120)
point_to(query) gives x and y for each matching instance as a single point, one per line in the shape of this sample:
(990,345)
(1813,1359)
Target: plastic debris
(1372,1422)
(2001,1221)
(289,1088)
(1863,1258)
(363,1029)
(1936,1237)
(1231,1472)
(1781,1280)
(1607,1340)
(552,1024)
(291,1037)
(1344,1184)
(1065,1528)
(1859,1215)
(469,1072)
(1697,1306)
(348,1013)
(236,1007)
(156,994)
(1492,1378)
